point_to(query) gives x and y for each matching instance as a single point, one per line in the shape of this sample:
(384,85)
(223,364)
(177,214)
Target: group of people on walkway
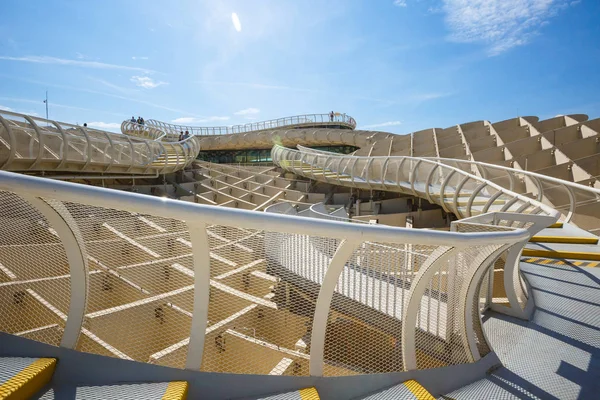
(139,120)
(183,136)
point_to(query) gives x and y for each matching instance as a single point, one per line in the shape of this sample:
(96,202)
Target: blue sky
(395,65)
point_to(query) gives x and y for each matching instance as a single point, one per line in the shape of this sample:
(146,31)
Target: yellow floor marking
(564,239)
(31,379)
(418,391)
(309,394)
(176,391)
(576,255)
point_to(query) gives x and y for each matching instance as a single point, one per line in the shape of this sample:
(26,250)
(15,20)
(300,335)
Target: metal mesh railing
(576,202)
(33,144)
(454,189)
(213,289)
(38,290)
(163,130)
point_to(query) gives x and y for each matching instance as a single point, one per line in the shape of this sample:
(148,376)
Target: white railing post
(111,145)
(511,268)
(469,293)
(66,228)
(319,327)
(88,146)
(36,128)
(572,203)
(65,144)
(11,141)
(201,257)
(413,303)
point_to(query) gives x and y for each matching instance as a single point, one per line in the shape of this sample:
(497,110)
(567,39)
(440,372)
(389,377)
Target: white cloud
(76,63)
(428,96)
(117,88)
(84,89)
(195,120)
(382,125)
(105,125)
(236,22)
(139,58)
(501,24)
(5,108)
(260,86)
(247,111)
(146,82)
(40,104)
(400,3)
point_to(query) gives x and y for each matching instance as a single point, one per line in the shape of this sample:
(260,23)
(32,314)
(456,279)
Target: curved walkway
(29,143)
(154,129)
(556,355)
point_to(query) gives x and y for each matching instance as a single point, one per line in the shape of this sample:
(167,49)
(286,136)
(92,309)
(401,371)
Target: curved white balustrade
(34,144)
(456,190)
(163,130)
(146,132)
(452,188)
(577,203)
(185,285)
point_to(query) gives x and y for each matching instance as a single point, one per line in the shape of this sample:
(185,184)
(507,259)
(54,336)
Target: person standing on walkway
(331,116)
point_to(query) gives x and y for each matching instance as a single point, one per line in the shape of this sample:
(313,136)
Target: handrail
(62,146)
(166,208)
(282,155)
(172,285)
(467,194)
(173,130)
(567,199)
(572,189)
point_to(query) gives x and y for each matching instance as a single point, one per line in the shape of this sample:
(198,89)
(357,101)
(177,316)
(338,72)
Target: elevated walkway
(556,355)
(33,145)
(198,292)
(158,130)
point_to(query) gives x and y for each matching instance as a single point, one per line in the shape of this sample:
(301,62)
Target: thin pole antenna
(46,101)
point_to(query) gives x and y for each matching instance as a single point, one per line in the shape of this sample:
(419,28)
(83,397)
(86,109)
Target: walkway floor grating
(556,355)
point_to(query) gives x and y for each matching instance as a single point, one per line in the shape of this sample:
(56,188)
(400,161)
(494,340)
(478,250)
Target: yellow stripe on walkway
(418,391)
(176,390)
(575,255)
(556,225)
(29,381)
(545,261)
(309,394)
(564,239)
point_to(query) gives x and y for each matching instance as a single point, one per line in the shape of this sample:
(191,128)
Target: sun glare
(236,22)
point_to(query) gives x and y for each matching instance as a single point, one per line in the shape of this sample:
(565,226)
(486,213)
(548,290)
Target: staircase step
(560,254)
(148,391)
(552,261)
(302,394)
(564,239)
(409,390)
(22,377)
